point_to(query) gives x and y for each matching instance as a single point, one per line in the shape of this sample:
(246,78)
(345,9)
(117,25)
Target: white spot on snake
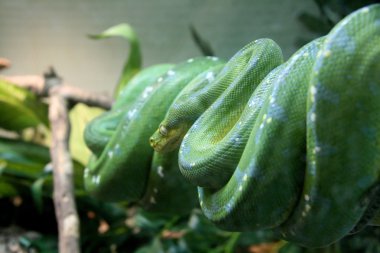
(272,100)
(313,117)
(228,206)
(210,76)
(160,171)
(152,200)
(305,54)
(245,177)
(237,139)
(303,214)
(261,125)
(269,120)
(240,188)
(192,164)
(160,79)
(131,113)
(110,154)
(313,90)
(171,73)
(155,190)
(307,208)
(213,58)
(190,60)
(147,91)
(316,149)
(264,116)
(307,197)
(201,203)
(365,10)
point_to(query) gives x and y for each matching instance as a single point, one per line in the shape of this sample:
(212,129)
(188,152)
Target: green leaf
(21,163)
(7,189)
(25,168)
(80,116)
(203,45)
(19,108)
(133,63)
(23,159)
(37,193)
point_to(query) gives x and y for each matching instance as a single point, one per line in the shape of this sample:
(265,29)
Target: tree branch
(64,199)
(37,84)
(77,95)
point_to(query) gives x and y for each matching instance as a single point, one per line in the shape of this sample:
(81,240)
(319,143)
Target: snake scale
(290,146)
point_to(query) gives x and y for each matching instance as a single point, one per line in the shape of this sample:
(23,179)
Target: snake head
(167,139)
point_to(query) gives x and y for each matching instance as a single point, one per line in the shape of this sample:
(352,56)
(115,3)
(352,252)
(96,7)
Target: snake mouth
(165,144)
(154,144)
(157,141)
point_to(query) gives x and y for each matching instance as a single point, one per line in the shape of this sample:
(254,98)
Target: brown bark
(37,85)
(64,199)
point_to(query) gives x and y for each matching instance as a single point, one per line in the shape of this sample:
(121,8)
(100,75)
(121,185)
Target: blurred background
(35,34)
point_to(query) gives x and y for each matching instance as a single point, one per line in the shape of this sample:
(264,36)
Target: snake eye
(163,130)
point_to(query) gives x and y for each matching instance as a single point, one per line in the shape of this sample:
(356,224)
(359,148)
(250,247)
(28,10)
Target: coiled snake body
(291,146)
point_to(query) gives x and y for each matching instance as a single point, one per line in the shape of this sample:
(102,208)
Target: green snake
(290,146)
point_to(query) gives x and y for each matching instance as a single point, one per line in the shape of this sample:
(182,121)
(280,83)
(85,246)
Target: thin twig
(34,83)
(80,96)
(37,85)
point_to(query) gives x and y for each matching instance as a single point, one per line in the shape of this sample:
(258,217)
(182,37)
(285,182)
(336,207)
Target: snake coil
(291,146)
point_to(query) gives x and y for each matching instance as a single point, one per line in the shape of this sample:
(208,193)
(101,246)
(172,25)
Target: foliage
(80,115)
(133,63)
(330,12)
(27,110)
(203,45)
